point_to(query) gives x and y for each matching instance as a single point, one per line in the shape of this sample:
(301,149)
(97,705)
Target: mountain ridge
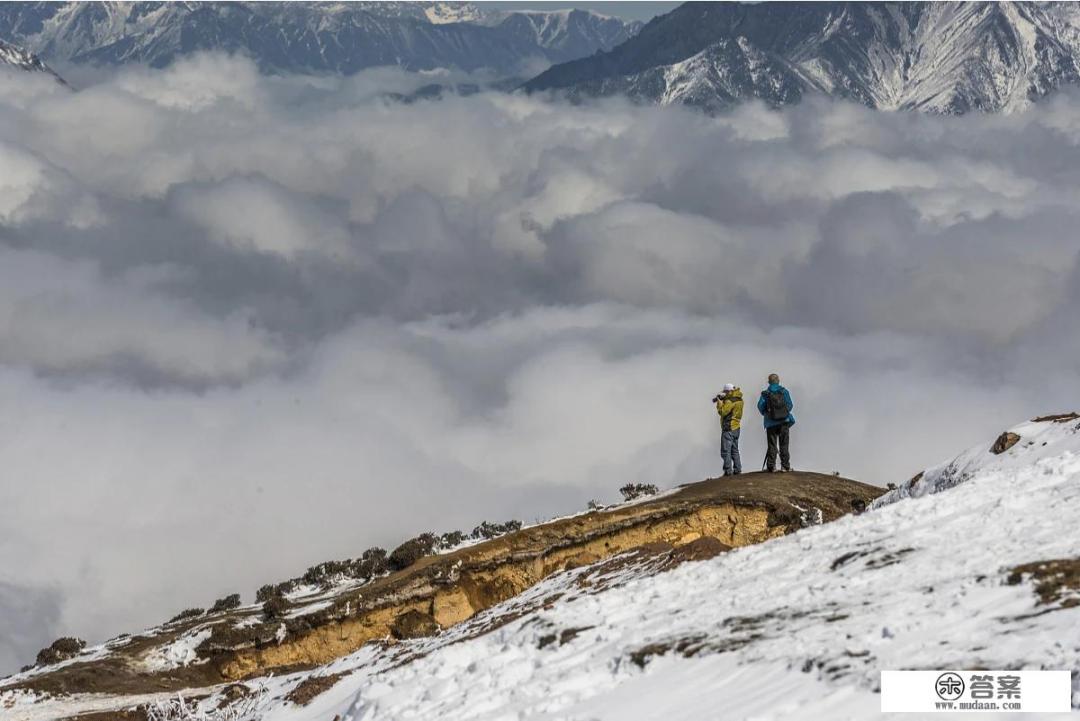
(314,625)
(17,57)
(316,37)
(948,58)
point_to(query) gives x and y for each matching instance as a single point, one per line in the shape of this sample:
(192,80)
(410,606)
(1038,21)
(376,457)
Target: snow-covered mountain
(311,37)
(16,57)
(974,563)
(797,627)
(937,57)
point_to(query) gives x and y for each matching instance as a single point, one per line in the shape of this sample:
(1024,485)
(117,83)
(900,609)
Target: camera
(717,398)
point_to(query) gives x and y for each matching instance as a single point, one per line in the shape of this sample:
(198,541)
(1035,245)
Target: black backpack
(776,407)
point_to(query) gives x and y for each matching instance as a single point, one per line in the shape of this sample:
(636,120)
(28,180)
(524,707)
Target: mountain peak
(13,56)
(938,57)
(311,37)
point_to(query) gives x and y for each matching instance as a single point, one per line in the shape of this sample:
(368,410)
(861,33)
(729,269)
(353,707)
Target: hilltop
(763,594)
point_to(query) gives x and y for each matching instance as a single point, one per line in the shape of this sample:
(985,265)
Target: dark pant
(778,438)
(729,450)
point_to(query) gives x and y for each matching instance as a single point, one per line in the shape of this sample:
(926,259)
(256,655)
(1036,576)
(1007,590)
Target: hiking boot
(787,469)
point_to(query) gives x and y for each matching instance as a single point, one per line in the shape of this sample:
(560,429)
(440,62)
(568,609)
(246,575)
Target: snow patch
(1042,444)
(177,654)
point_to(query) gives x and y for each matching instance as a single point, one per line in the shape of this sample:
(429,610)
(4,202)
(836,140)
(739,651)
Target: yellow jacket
(730,409)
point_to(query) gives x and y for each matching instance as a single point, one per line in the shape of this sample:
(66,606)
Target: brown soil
(1058,418)
(414,624)
(1057,582)
(137,714)
(312,686)
(695,522)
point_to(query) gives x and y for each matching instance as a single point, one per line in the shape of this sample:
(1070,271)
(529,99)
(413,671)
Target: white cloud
(58,316)
(267,321)
(254,214)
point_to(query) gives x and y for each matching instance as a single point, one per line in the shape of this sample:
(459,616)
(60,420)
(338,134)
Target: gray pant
(778,439)
(729,450)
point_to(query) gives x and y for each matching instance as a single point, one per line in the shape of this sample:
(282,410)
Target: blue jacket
(762,406)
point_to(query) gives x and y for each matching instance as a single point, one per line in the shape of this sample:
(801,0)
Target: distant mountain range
(938,57)
(950,57)
(311,37)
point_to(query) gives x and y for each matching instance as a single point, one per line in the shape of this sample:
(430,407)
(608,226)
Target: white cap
(729,387)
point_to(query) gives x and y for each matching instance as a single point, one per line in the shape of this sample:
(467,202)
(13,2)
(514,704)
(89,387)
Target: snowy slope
(938,57)
(797,627)
(16,57)
(800,624)
(310,37)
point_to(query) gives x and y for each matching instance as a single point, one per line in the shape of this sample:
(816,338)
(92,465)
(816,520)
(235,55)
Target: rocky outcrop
(414,624)
(1004,442)
(693,522)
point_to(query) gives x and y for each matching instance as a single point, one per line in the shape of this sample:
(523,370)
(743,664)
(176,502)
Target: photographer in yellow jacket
(729,404)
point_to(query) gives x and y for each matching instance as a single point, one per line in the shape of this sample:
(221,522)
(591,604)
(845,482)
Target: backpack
(776,406)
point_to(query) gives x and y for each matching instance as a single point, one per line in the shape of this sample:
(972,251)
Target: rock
(1004,442)
(414,624)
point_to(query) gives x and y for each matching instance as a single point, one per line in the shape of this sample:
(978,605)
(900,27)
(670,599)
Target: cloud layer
(248,324)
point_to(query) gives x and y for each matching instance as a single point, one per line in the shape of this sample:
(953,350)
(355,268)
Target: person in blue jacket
(775,407)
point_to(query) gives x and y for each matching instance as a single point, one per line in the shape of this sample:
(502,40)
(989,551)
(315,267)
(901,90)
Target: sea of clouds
(248,323)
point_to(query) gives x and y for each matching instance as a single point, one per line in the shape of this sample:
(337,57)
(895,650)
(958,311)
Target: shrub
(449,540)
(325,572)
(412,551)
(187,613)
(275,607)
(265,592)
(61,649)
(274,589)
(227,603)
(488,531)
(595,505)
(632,491)
(373,553)
(373,563)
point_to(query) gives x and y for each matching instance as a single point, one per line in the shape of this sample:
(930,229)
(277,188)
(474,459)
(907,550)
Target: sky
(250,323)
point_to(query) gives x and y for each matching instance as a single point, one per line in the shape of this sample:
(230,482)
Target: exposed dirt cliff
(440,591)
